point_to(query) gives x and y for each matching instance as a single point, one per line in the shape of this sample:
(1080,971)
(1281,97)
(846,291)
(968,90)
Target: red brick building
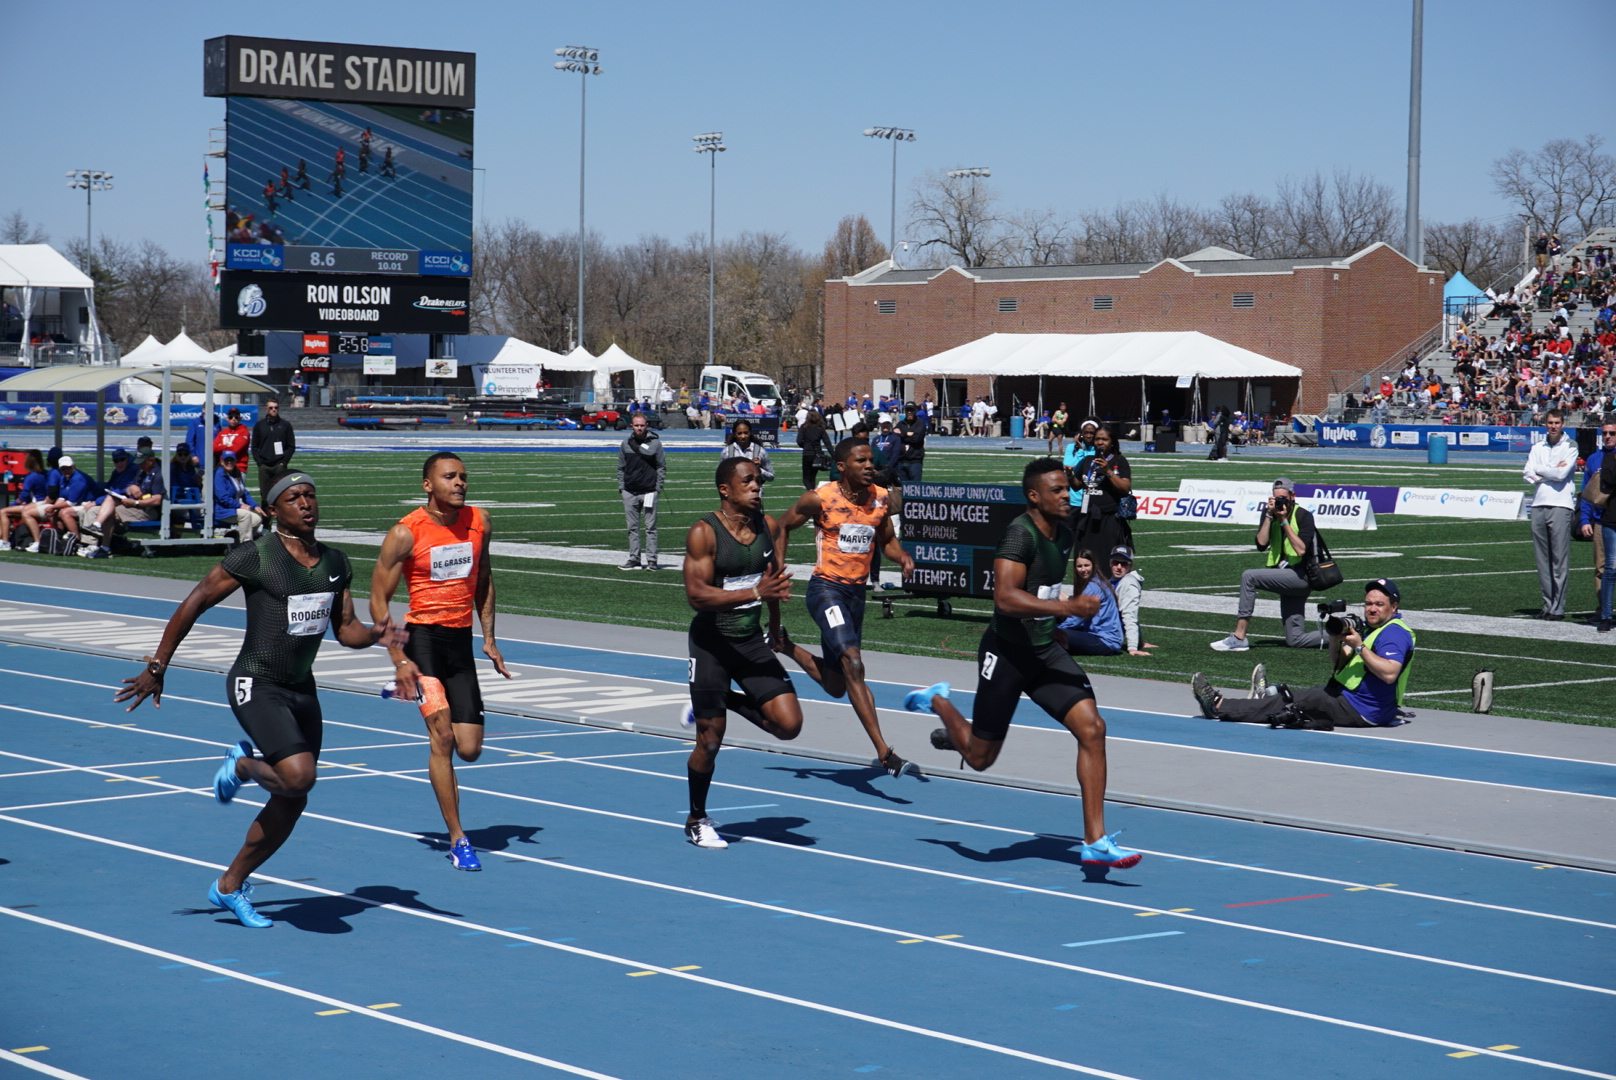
(1335,318)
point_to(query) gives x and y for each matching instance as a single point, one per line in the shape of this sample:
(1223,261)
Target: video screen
(346,187)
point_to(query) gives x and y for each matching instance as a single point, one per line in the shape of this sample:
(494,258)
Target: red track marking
(1280,900)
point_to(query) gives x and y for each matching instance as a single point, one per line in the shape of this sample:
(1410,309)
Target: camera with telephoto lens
(1338,620)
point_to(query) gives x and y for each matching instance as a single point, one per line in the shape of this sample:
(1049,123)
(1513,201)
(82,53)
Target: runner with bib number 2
(1018,655)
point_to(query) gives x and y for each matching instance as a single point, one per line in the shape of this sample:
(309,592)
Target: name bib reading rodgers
(740,582)
(308,614)
(451,562)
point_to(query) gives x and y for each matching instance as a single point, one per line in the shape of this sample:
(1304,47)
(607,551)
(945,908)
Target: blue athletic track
(427,206)
(857,925)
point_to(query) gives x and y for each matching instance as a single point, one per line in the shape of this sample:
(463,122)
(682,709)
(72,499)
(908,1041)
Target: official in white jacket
(1551,466)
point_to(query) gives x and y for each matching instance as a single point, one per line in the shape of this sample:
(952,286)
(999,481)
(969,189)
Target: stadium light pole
(896,135)
(711,143)
(581,59)
(91,181)
(1413,241)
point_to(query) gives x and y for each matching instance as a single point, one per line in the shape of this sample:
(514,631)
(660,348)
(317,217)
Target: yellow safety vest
(1283,549)
(1352,672)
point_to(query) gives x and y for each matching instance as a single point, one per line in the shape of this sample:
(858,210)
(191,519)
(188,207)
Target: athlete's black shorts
(1005,671)
(716,660)
(281,720)
(838,610)
(444,653)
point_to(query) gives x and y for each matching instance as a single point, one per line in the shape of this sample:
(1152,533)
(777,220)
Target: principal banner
(365,303)
(1460,503)
(506,380)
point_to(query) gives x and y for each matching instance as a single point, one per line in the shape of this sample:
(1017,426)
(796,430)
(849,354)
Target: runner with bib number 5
(296,589)
(442,550)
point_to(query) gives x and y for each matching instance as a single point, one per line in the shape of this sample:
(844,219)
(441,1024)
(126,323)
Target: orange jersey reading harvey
(442,567)
(847,533)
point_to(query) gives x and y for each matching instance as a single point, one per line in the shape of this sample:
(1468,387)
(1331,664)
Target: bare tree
(1169,228)
(1245,223)
(1336,215)
(1565,187)
(17,229)
(1486,253)
(852,248)
(1111,236)
(953,217)
(1040,238)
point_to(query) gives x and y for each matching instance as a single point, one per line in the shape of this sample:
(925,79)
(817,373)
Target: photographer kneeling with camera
(1372,656)
(1285,572)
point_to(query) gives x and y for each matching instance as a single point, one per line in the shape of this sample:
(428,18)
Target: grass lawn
(1474,568)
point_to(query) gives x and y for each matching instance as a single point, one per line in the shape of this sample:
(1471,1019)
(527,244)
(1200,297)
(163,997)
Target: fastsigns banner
(1222,509)
(1460,503)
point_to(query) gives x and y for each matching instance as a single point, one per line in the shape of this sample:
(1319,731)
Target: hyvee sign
(250,300)
(328,71)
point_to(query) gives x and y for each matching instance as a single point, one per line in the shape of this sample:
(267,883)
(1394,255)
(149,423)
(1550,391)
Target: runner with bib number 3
(441,549)
(296,589)
(1018,655)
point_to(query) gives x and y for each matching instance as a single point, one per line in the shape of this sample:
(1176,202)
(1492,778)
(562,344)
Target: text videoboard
(357,303)
(348,178)
(952,532)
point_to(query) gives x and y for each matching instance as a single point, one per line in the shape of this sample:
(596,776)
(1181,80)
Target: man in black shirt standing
(912,433)
(273,444)
(1018,654)
(296,588)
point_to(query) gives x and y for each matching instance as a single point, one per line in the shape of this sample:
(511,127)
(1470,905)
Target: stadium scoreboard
(952,532)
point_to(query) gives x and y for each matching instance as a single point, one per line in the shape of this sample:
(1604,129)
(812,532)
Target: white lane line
(39,1066)
(574,950)
(1153,984)
(930,872)
(104,799)
(1516,686)
(1289,874)
(307,995)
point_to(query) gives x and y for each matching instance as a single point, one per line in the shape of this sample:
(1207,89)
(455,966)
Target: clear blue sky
(1073,104)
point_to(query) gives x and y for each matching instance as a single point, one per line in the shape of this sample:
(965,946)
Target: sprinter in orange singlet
(441,550)
(855,520)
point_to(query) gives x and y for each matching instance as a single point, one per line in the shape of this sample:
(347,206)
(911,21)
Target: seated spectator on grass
(140,501)
(234,508)
(1365,689)
(1129,585)
(1099,634)
(31,506)
(1283,573)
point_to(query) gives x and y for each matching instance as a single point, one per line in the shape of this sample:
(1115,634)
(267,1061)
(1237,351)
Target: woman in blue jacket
(1101,633)
(234,507)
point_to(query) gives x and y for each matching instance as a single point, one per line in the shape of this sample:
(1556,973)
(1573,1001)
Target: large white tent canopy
(647,377)
(32,270)
(1167,354)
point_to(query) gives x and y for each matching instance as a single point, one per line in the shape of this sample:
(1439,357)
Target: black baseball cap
(120,454)
(1387,586)
(1123,553)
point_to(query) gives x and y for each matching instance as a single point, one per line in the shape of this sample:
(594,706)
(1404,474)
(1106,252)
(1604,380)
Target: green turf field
(1470,568)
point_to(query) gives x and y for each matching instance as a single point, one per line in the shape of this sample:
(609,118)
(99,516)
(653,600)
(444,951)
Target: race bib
(451,562)
(1053,592)
(308,614)
(855,539)
(743,583)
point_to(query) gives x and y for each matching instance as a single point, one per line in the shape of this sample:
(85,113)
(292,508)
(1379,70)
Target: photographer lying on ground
(1284,572)
(1372,658)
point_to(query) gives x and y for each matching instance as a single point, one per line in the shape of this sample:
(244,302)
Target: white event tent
(647,377)
(1141,355)
(39,279)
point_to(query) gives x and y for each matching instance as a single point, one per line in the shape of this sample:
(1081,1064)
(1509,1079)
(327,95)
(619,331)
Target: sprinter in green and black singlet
(733,570)
(296,589)
(1018,655)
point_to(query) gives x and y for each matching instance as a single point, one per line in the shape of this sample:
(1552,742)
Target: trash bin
(1436,450)
(1018,428)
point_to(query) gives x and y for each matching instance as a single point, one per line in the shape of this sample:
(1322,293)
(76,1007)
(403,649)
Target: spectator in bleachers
(234,437)
(234,508)
(140,501)
(30,508)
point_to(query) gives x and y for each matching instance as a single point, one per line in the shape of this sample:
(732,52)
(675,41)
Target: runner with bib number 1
(296,589)
(855,520)
(441,549)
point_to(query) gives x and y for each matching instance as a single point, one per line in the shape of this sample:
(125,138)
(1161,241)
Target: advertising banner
(250,365)
(1503,440)
(381,364)
(81,414)
(249,300)
(1218,509)
(506,380)
(1382,499)
(1460,503)
(1353,515)
(442,368)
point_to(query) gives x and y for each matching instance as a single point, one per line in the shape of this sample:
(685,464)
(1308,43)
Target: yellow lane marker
(911,941)
(1462,1054)
(638,974)
(949,937)
(689,967)
(1387,885)
(383,1005)
(332,1012)
(1543,867)
(28,1049)
(1169,911)
(1503,1046)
